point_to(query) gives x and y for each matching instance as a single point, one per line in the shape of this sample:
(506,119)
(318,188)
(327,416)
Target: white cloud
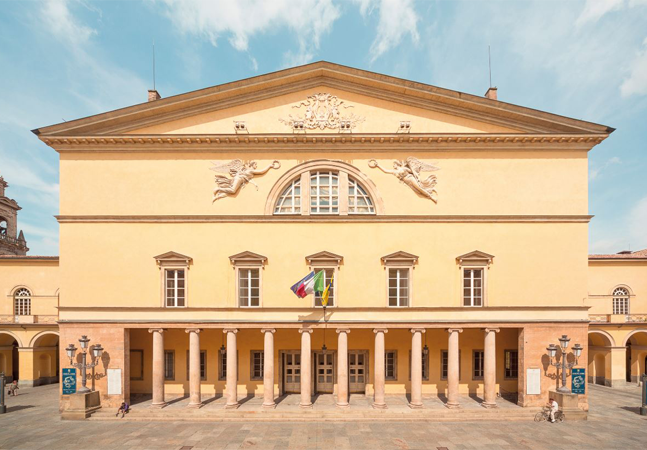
(241,20)
(636,83)
(397,19)
(595,172)
(62,23)
(19,174)
(595,9)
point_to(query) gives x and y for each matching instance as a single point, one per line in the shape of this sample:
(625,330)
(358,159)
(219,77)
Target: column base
(195,405)
(158,405)
(232,405)
(343,405)
(452,405)
(305,405)
(380,406)
(415,405)
(489,405)
(268,405)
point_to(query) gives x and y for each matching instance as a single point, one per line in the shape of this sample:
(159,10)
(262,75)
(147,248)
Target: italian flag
(311,283)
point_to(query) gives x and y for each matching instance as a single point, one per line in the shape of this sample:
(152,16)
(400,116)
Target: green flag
(319,282)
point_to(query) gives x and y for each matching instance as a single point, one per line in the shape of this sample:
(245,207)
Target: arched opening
(46,358)
(635,364)
(9,363)
(3,227)
(600,344)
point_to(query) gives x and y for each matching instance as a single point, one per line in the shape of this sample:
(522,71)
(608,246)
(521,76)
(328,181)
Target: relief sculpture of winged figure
(409,172)
(241,173)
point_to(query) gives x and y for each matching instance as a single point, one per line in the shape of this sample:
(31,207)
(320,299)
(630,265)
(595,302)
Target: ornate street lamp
(83,366)
(565,365)
(425,350)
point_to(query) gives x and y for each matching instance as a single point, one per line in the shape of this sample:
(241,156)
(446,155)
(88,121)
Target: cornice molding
(330,142)
(323,219)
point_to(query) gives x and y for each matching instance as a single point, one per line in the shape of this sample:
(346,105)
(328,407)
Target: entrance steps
(363,415)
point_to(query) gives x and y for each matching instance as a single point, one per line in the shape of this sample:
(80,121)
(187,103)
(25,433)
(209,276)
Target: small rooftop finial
(152,93)
(491,92)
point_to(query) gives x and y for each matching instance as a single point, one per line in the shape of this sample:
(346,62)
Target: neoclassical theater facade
(452,230)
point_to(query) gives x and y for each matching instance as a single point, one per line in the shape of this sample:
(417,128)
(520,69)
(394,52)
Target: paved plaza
(32,422)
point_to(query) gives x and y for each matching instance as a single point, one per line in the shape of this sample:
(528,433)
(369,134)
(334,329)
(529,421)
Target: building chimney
(491,93)
(154,95)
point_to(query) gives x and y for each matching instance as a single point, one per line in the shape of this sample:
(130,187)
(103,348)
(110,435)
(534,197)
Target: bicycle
(544,415)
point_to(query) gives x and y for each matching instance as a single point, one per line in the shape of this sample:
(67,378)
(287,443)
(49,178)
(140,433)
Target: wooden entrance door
(325,373)
(357,371)
(292,373)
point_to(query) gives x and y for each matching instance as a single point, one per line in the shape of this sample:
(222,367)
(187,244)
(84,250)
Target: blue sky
(65,59)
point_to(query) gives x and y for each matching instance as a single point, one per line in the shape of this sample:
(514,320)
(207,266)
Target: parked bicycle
(544,415)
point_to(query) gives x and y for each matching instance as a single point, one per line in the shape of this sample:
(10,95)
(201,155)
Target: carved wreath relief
(322,111)
(241,173)
(409,173)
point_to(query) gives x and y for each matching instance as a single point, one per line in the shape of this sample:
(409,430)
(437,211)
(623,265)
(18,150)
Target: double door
(324,371)
(357,363)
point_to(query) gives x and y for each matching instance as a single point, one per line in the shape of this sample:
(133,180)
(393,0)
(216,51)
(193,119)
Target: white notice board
(114,381)
(533,382)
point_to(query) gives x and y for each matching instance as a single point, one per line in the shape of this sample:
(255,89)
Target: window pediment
(173,259)
(248,258)
(475,258)
(324,258)
(399,259)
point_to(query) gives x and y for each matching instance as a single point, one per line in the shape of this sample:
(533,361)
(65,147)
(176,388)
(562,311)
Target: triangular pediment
(247,258)
(400,258)
(371,103)
(323,258)
(173,257)
(475,256)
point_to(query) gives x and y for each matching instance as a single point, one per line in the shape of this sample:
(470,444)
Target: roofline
(174,102)
(30,258)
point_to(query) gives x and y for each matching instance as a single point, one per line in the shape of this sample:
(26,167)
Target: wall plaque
(533,382)
(114,381)
(578,381)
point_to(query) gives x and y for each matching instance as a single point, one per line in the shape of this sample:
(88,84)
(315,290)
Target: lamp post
(83,366)
(3,407)
(552,351)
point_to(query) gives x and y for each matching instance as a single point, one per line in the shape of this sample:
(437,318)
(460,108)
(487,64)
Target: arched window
(3,227)
(620,301)
(22,302)
(324,191)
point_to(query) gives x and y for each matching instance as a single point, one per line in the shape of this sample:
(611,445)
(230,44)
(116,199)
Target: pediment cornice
(322,74)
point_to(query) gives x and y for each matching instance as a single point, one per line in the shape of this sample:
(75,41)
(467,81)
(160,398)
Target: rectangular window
(249,292)
(256,365)
(169,365)
(425,366)
(477,365)
(444,363)
(399,287)
(511,358)
(472,287)
(175,287)
(324,193)
(621,305)
(391,365)
(137,365)
(328,274)
(22,306)
(203,365)
(222,367)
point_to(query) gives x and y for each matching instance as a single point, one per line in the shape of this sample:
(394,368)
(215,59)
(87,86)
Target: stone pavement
(33,423)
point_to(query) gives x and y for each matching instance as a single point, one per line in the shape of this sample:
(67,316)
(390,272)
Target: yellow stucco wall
(605,276)
(40,277)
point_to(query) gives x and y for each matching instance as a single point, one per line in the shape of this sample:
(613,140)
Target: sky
(587,59)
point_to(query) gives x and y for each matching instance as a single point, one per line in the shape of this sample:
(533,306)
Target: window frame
(616,298)
(141,377)
(388,287)
(22,303)
(474,260)
(243,261)
(472,269)
(443,359)
(333,174)
(173,261)
(166,271)
(475,376)
(296,182)
(203,365)
(252,367)
(169,352)
(335,290)
(505,370)
(248,299)
(399,260)
(393,377)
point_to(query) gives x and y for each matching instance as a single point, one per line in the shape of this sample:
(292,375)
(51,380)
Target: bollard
(643,408)
(3,407)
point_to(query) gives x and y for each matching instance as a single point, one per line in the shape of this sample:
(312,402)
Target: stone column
(268,368)
(416,368)
(342,367)
(232,369)
(306,369)
(453,368)
(158,368)
(489,368)
(378,373)
(194,368)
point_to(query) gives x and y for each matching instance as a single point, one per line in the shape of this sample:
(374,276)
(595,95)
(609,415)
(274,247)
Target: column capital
(230,330)
(454,330)
(418,330)
(496,330)
(305,330)
(268,330)
(193,330)
(156,330)
(343,330)
(380,330)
